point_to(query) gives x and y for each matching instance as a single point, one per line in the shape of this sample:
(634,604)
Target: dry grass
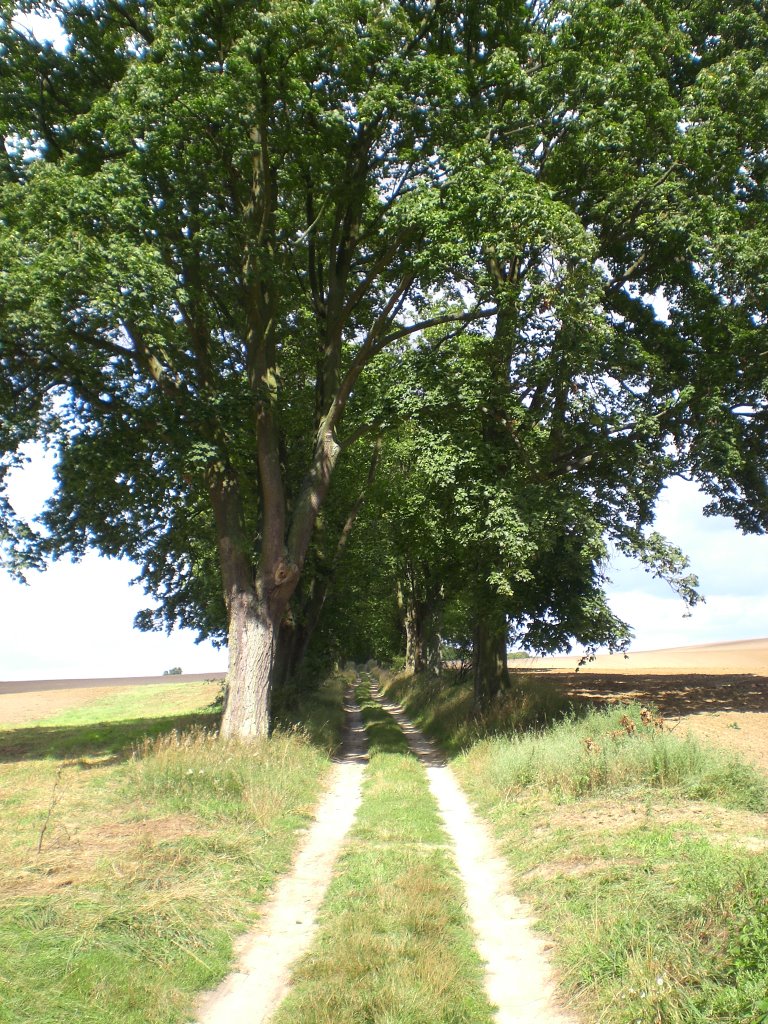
(156,854)
(641,851)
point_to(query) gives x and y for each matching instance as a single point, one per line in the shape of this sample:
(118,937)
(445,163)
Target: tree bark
(422,638)
(489,657)
(255,606)
(413,651)
(252,638)
(311,608)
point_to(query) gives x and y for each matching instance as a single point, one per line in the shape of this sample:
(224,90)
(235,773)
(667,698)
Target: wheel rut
(518,977)
(252,993)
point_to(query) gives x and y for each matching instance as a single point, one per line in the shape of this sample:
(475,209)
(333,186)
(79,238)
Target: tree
(209,229)
(597,198)
(220,226)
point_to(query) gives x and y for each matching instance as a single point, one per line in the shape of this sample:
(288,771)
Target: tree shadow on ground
(672,694)
(108,741)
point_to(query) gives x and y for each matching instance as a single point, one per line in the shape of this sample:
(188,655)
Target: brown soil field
(718,692)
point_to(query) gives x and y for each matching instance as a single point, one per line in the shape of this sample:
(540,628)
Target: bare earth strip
(252,994)
(519,979)
(40,685)
(734,657)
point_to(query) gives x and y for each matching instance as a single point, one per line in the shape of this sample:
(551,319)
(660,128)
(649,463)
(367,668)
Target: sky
(75,620)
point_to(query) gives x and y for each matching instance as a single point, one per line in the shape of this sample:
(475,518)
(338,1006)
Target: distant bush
(173,671)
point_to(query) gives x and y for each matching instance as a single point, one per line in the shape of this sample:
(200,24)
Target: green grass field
(643,853)
(136,847)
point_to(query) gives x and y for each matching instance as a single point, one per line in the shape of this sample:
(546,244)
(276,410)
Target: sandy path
(518,978)
(288,925)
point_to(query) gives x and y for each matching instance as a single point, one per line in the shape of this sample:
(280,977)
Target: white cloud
(76,618)
(662,622)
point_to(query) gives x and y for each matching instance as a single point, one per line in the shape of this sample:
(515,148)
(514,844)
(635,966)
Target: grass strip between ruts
(643,853)
(394,943)
(150,863)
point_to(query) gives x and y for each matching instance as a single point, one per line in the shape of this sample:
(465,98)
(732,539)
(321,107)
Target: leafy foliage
(476,278)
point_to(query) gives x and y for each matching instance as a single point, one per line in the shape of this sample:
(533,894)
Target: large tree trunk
(286,639)
(305,629)
(413,636)
(489,656)
(252,637)
(422,639)
(253,613)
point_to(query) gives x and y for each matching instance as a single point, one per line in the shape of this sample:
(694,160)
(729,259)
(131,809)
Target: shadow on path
(354,744)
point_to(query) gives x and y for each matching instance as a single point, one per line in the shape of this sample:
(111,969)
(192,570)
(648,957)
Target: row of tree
(357,321)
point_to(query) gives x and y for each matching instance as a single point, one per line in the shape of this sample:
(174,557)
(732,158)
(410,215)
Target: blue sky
(77,619)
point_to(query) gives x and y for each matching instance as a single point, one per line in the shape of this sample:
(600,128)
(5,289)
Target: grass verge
(394,944)
(643,853)
(444,709)
(130,864)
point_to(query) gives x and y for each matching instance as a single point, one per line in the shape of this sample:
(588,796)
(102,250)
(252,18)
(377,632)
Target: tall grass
(444,708)
(617,749)
(533,738)
(155,857)
(259,781)
(641,850)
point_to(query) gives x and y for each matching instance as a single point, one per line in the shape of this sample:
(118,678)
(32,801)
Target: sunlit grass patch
(155,700)
(256,782)
(158,846)
(643,852)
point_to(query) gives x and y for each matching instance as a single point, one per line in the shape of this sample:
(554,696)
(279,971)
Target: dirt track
(719,692)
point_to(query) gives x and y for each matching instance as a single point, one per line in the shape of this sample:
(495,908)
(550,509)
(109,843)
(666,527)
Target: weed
(613,749)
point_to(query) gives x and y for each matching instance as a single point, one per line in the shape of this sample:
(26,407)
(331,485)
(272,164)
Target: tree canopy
(511,255)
